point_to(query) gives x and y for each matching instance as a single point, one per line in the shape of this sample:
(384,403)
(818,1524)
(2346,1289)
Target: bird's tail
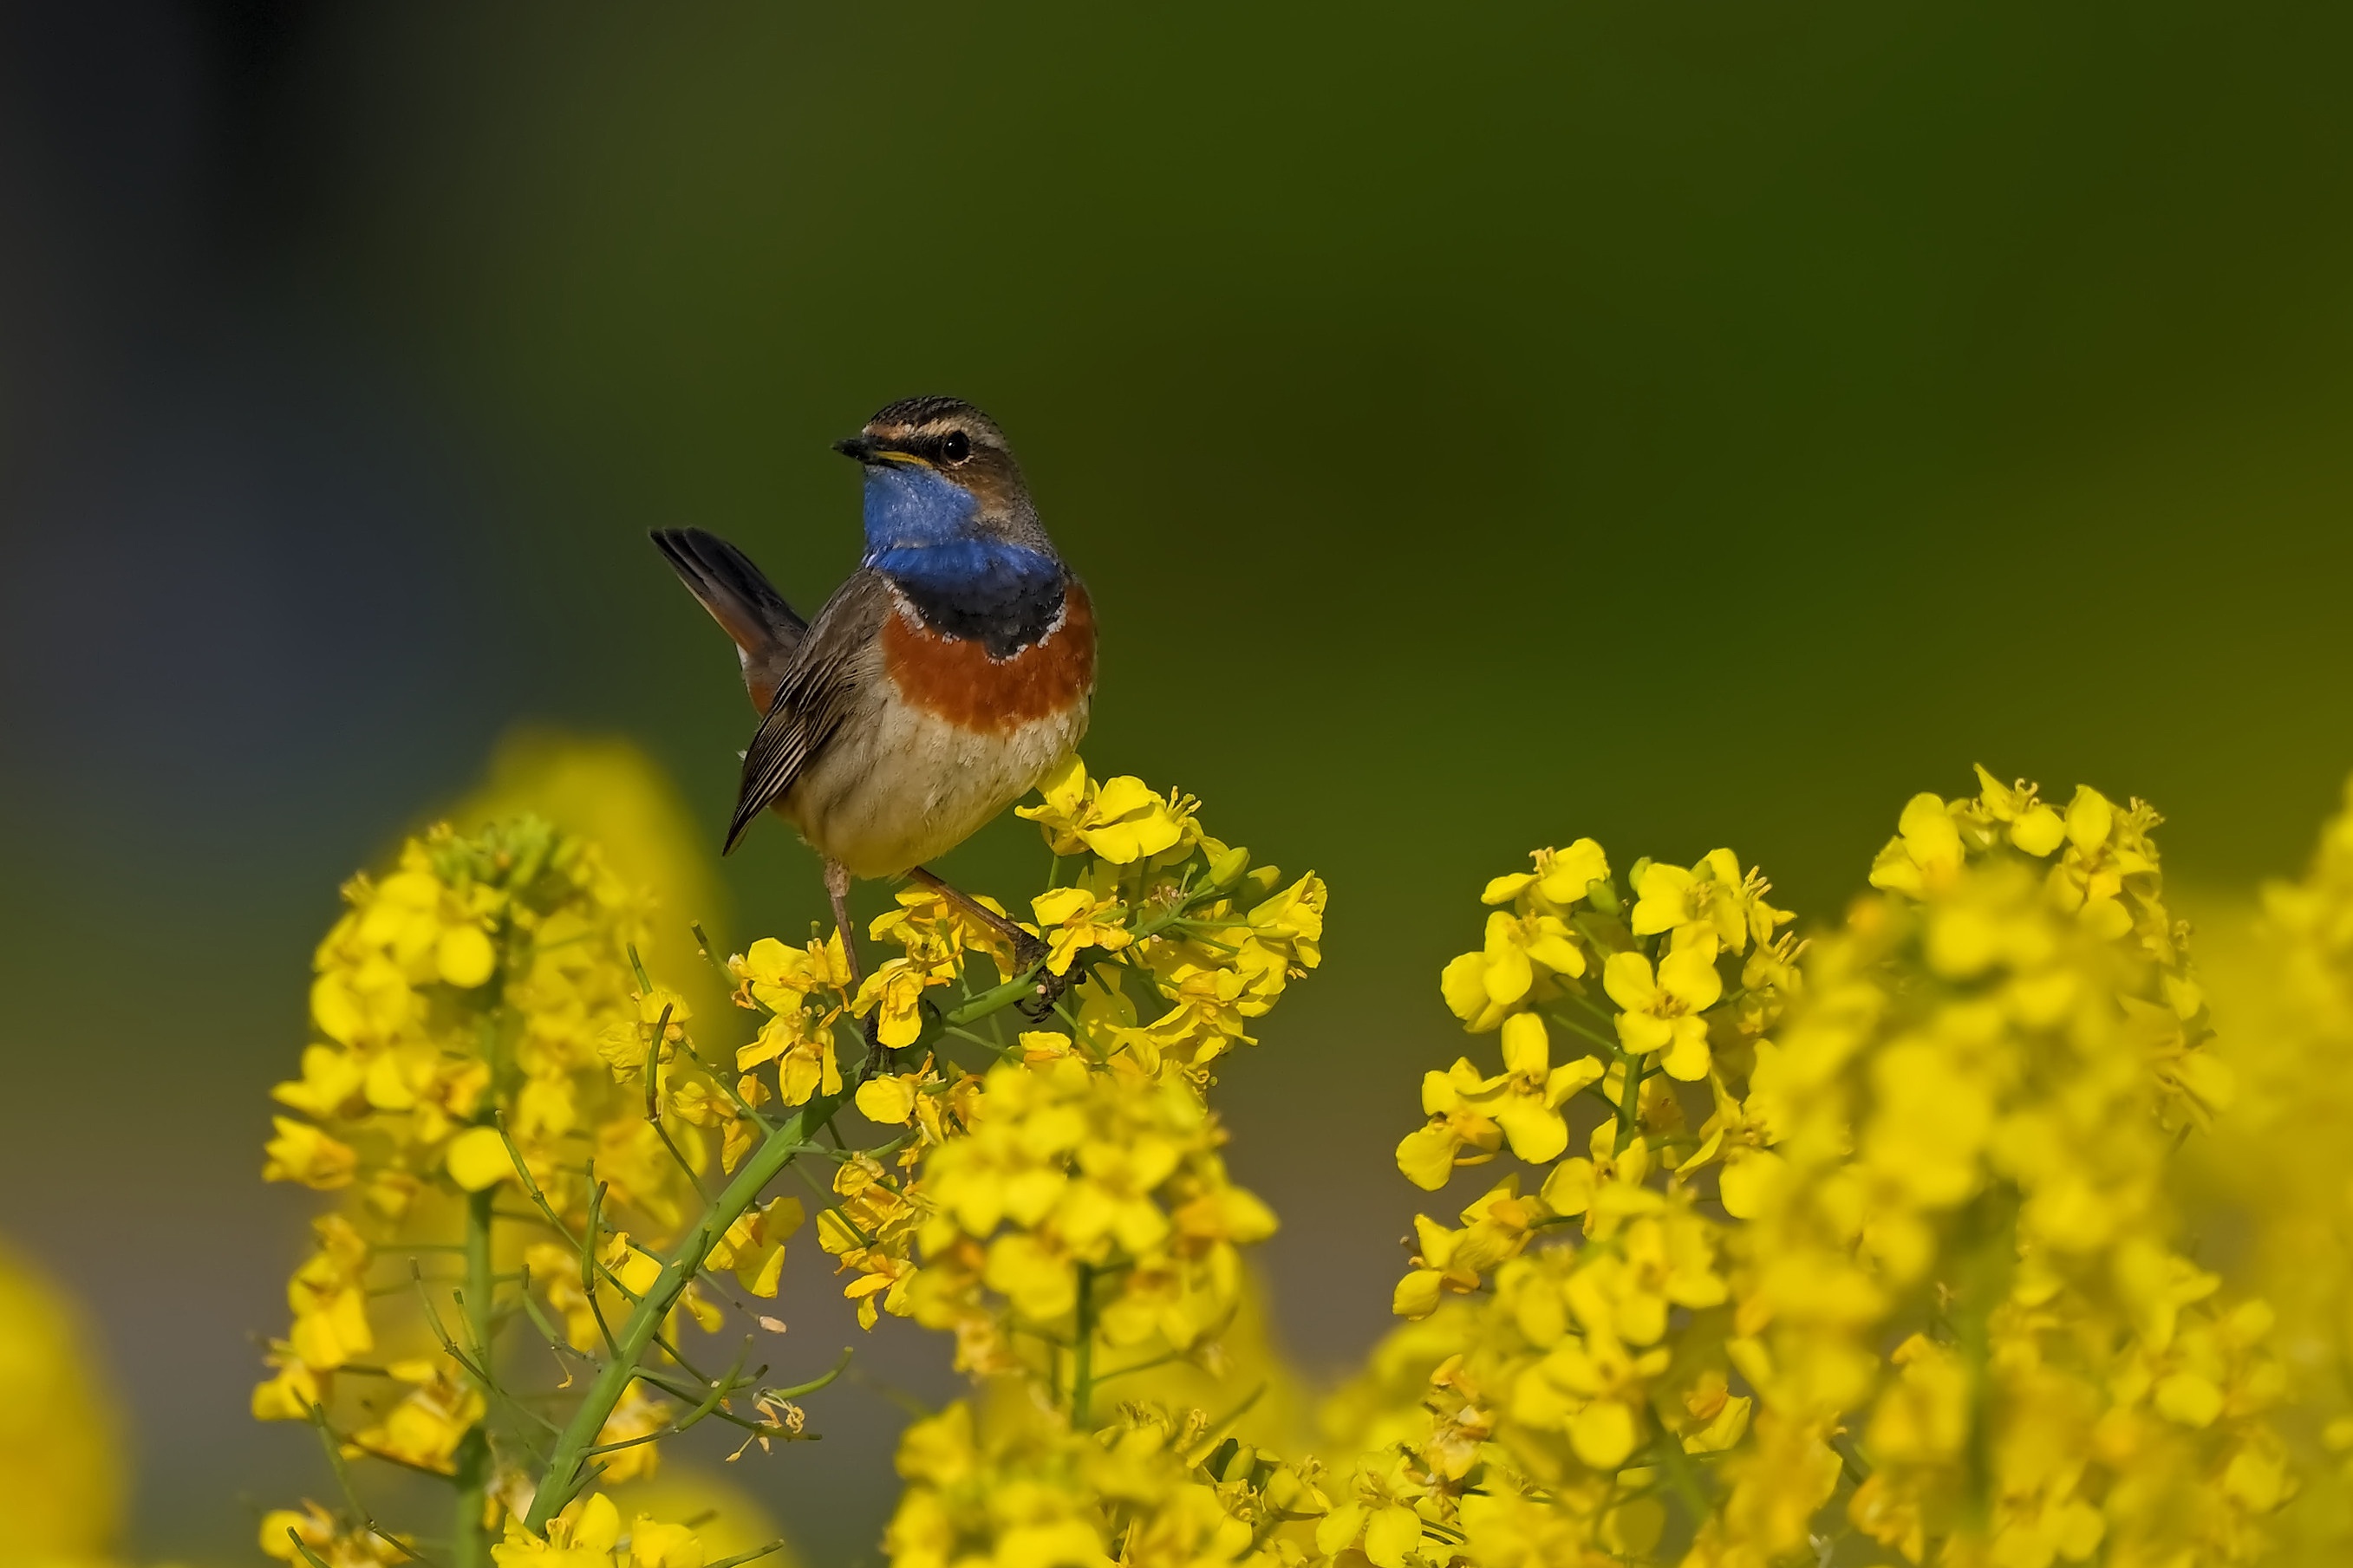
(740,598)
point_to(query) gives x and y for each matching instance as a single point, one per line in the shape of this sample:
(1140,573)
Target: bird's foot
(1029,958)
(880,1057)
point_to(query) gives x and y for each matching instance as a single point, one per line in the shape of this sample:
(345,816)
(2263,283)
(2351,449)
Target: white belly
(898,786)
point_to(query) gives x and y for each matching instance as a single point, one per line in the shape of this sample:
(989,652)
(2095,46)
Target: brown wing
(818,690)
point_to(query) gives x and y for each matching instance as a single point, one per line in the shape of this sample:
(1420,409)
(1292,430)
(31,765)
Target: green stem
(1683,1477)
(470,1539)
(567,1466)
(1629,1098)
(1082,1353)
(1987,1235)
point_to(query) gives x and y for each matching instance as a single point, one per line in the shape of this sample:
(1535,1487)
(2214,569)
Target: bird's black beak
(862,448)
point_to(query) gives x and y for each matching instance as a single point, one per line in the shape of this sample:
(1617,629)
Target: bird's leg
(1029,951)
(837,888)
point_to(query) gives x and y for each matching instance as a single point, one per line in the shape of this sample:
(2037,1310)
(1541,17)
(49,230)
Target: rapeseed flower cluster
(1013,1482)
(493,1085)
(1071,1190)
(1870,1245)
(2277,1170)
(524,1144)
(512,1111)
(1872,1239)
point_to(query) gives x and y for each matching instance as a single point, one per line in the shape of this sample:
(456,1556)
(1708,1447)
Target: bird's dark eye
(956,446)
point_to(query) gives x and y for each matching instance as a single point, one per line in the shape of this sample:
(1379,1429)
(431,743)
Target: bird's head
(938,471)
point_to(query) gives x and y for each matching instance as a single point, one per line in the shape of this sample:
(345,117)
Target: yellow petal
(2188,1398)
(1416,1295)
(1749,1181)
(1463,984)
(1569,1077)
(1509,975)
(2039,832)
(1526,1050)
(1603,1434)
(1644,1031)
(1555,949)
(1627,978)
(1689,974)
(478,1159)
(1569,1188)
(1426,1155)
(1537,1133)
(1688,1059)
(2089,818)
(771,1272)
(1392,1533)
(653,1545)
(597,1526)
(1662,900)
(464,956)
(1336,1531)
(1504,890)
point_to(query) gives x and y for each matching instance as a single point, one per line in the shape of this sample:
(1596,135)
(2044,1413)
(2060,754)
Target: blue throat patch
(907,504)
(921,533)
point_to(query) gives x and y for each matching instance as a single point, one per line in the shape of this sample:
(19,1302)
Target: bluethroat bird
(950,673)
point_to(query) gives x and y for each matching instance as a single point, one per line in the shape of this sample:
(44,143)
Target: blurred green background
(1479,426)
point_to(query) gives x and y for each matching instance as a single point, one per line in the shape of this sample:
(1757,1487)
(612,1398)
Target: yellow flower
(327,1540)
(702,1104)
(294,1388)
(754,1247)
(330,1085)
(1526,1101)
(637,1269)
(935,931)
(1925,852)
(654,1544)
(301,1152)
(1595,1388)
(588,1535)
(1668,897)
(1458,1131)
(890,1098)
(1292,921)
(1495,1226)
(782,979)
(1210,1004)
(328,1295)
(1120,820)
(1558,882)
(1604,1187)
(1662,1011)
(636,1421)
(555,1272)
(2026,822)
(1737,1136)
(1516,964)
(2104,848)
(1072,919)
(423,1430)
(802,1046)
(895,993)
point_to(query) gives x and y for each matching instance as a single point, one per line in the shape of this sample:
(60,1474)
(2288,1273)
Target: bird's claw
(1029,955)
(878,1056)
